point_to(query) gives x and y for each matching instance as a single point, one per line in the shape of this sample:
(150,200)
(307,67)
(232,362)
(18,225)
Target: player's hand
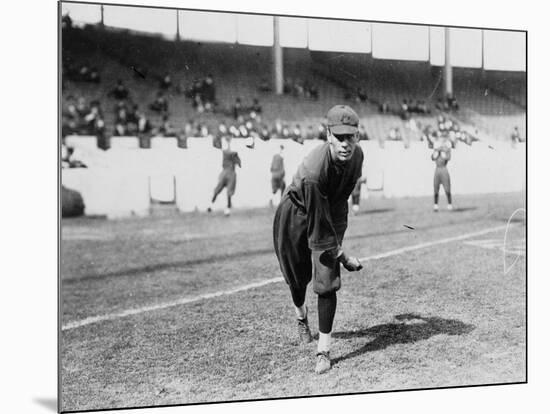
(352,264)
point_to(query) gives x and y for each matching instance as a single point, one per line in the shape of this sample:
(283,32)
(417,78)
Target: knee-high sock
(326,305)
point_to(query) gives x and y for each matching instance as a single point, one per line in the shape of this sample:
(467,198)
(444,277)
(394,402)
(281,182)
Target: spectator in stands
(121,122)
(71,158)
(363,133)
(165,82)
(394,134)
(221,133)
(360,95)
(203,131)
(516,137)
(132,118)
(71,113)
(285,132)
(66,22)
(264,133)
(209,93)
(99,129)
(277,129)
(297,134)
(384,107)
(119,92)
(82,108)
(453,103)
(309,133)
(287,86)
(189,129)
(264,86)
(322,132)
(256,107)
(160,104)
(91,119)
(404,113)
(313,92)
(237,108)
(166,129)
(94,75)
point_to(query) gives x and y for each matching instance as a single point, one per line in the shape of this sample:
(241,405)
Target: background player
(228,177)
(356,195)
(277,175)
(310,222)
(441,156)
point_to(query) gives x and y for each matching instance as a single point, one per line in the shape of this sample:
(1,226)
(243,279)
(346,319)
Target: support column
(277,58)
(448,71)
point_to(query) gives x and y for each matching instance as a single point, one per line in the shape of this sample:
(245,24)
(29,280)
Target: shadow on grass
(374,211)
(463,209)
(410,328)
(48,403)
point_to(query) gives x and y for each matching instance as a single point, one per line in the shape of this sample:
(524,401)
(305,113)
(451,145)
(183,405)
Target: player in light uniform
(441,156)
(310,223)
(277,175)
(228,177)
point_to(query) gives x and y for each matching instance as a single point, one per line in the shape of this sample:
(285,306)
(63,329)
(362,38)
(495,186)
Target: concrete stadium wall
(117,181)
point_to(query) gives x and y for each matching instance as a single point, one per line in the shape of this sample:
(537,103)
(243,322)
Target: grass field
(164,310)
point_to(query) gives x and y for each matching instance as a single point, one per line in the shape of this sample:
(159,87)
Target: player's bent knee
(326,287)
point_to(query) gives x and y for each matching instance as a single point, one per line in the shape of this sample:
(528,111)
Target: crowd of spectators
(449,129)
(300,88)
(357,95)
(202,93)
(79,118)
(80,72)
(449,104)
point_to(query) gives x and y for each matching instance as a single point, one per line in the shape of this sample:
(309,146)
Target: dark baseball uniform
(441,176)
(312,218)
(356,193)
(228,176)
(278,173)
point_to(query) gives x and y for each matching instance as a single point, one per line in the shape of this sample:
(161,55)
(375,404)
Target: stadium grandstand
(274,78)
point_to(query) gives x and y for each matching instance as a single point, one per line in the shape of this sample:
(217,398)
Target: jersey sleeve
(321,234)
(237,160)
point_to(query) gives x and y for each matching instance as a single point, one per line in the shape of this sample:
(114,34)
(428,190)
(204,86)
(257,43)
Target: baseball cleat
(450,207)
(436,207)
(303,331)
(323,362)
(227,212)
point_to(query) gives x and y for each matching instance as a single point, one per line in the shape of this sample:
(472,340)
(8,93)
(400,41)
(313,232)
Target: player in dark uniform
(310,222)
(441,156)
(277,175)
(356,195)
(228,177)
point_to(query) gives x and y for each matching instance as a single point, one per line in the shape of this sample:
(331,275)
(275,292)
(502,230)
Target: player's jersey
(441,156)
(320,189)
(277,166)
(230,160)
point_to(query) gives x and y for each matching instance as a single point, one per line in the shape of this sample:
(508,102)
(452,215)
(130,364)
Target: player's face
(342,146)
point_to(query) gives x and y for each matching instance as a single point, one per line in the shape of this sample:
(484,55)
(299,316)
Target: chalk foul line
(198,298)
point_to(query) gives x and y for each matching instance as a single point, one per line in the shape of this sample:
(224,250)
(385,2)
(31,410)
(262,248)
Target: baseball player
(441,156)
(277,175)
(310,222)
(356,195)
(228,177)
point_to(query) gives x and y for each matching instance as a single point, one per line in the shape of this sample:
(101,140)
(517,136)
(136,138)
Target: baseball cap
(341,119)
